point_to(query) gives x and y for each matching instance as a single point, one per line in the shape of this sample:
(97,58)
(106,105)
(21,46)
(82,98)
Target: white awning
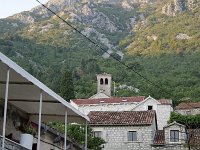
(24,93)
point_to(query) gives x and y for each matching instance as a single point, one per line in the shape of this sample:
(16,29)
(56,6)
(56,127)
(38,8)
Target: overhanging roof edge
(39,84)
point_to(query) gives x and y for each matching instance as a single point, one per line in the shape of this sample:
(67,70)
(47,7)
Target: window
(106,81)
(174,135)
(150,107)
(132,136)
(97,134)
(101,81)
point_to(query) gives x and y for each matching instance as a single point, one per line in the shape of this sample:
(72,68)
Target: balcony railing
(11,145)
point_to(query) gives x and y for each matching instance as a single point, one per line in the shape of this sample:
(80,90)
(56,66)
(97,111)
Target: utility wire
(98,46)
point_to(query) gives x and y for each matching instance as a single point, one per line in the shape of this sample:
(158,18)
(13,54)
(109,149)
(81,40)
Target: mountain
(158,38)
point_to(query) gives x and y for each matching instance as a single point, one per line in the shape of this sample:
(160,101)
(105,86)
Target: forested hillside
(159,39)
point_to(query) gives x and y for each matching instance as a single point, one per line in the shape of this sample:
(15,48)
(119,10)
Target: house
(24,98)
(124,130)
(138,130)
(175,136)
(103,101)
(162,107)
(188,108)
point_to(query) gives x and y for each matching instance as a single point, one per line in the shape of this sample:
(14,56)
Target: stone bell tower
(104,83)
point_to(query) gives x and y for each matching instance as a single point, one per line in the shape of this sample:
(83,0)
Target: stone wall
(182,134)
(189,111)
(170,147)
(116,137)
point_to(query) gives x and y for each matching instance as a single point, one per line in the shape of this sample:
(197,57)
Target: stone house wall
(188,111)
(162,111)
(182,134)
(116,137)
(170,147)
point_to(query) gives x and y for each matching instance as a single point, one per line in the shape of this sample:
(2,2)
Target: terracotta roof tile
(188,106)
(165,101)
(159,138)
(109,100)
(121,118)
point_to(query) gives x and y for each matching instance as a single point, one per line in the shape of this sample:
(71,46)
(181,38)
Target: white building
(162,107)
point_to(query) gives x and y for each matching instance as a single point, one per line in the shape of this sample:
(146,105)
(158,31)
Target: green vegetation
(66,85)
(46,47)
(190,121)
(77,133)
(158,34)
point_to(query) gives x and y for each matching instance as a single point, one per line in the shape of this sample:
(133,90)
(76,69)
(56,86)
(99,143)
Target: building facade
(188,108)
(124,130)
(163,107)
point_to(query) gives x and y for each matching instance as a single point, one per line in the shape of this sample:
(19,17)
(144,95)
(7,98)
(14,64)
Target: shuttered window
(174,135)
(132,136)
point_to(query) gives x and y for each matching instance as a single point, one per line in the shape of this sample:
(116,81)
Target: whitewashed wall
(107,107)
(163,115)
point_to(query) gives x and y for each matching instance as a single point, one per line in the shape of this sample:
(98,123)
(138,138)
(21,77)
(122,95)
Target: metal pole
(39,123)
(5,108)
(65,142)
(86,135)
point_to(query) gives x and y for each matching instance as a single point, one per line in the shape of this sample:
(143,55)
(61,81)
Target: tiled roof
(109,100)
(165,101)
(121,118)
(188,106)
(159,138)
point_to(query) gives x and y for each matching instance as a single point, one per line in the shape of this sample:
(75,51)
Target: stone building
(188,108)
(124,130)
(104,83)
(162,107)
(176,136)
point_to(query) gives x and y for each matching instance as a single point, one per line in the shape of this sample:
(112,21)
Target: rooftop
(165,101)
(188,106)
(159,138)
(109,100)
(121,118)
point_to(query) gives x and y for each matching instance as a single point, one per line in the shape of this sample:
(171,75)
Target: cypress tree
(66,86)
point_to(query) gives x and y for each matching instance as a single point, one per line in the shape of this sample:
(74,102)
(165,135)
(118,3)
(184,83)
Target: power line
(98,46)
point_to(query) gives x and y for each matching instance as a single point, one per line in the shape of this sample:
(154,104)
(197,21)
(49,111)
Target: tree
(192,124)
(77,133)
(66,86)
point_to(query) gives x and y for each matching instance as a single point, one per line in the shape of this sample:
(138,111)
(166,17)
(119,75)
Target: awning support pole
(5,108)
(39,123)
(86,135)
(65,142)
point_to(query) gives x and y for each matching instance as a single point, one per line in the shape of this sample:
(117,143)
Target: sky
(10,7)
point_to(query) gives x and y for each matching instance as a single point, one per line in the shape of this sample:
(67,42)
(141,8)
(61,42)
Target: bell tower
(104,83)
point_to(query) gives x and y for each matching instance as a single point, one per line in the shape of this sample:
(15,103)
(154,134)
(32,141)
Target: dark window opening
(97,134)
(174,136)
(106,81)
(132,136)
(101,81)
(150,107)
